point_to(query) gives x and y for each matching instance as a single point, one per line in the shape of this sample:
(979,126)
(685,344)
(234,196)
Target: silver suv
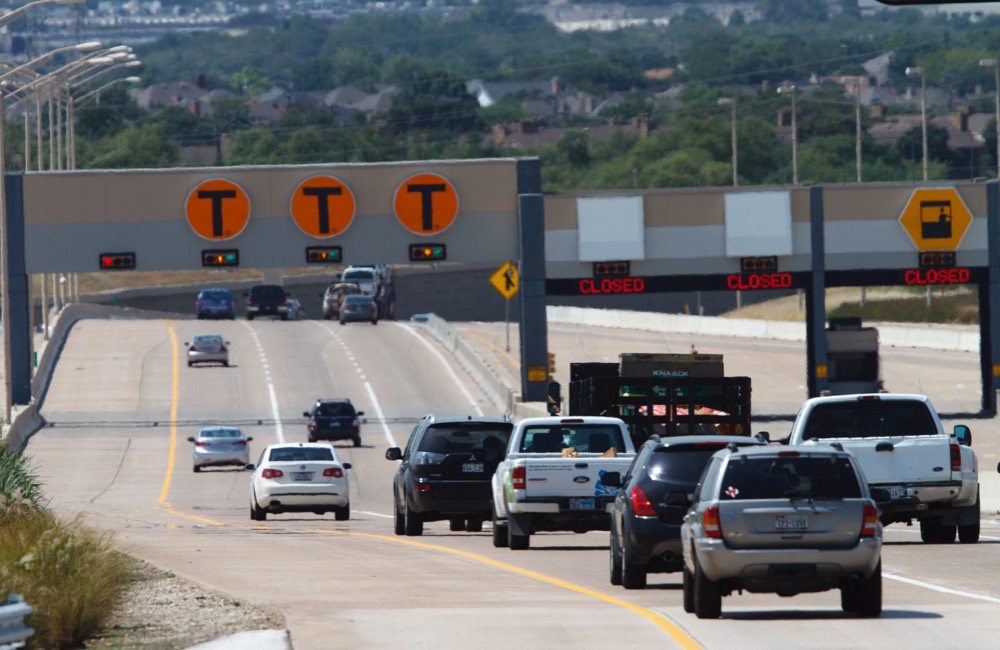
(784,520)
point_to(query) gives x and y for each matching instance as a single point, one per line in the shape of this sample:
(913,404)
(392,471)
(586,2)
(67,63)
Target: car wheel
(311,438)
(868,594)
(357,441)
(249,316)
(414,522)
(197,468)
(615,561)
(456,524)
(515,541)
(256,512)
(225,364)
(947,534)
(707,596)
(374,321)
(284,317)
(499,533)
(688,590)
(190,364)
(341,321)
(849,598)
(474,525)
(398,520)
(343,514)
(633,573)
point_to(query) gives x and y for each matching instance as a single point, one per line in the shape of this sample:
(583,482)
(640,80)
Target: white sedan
(299,477)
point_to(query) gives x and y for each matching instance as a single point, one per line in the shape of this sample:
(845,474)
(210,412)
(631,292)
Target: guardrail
(13,630)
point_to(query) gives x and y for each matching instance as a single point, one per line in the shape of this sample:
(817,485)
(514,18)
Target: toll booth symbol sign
(936,219)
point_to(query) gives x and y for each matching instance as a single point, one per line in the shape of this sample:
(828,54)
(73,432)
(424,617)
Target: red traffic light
(117,261)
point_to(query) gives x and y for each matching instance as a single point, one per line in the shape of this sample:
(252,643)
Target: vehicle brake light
(356,424)
(519,477)
(272,473)
(240,443)
(191,349)
(788,454)
(869,523)
(641,503)
(335,472)
(710,522)
(200,443)
(956,458)
(222,348)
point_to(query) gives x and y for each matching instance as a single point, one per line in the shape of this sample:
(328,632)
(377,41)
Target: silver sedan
(219,446)
(207,348)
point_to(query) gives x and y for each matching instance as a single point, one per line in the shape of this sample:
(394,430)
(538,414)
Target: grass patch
(71,575)
(957,309)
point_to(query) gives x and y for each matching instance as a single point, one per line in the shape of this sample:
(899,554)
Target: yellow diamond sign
(505,280)
(936,218)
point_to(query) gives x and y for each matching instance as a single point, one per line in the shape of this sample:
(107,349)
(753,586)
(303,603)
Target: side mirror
(964,435)
(346,465)
(395,453)
(306,414)
(360,413)
(763,436)
(611,479)
(249,466)
(190,438)
(187,342)
(249,438)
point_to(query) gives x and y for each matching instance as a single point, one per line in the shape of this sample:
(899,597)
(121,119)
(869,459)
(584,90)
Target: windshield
(295,454)
(799,476)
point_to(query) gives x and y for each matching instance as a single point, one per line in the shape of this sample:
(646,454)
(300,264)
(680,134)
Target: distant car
(299,477)
(334,295)
(267,300)
(295,309)
(358,308)
(784,520)
(219,446)
(207,348)
(334,419)
(366,277)
(215,303)
(446,472)
(655,494)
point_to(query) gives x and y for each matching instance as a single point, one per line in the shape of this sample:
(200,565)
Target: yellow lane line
(173,417)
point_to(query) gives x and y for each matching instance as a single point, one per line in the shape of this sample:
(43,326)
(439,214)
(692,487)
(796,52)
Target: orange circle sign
(322,206)
(426,204)
(217,209)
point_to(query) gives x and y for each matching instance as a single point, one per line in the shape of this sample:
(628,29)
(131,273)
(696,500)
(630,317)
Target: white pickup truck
(550,478)
(915,468)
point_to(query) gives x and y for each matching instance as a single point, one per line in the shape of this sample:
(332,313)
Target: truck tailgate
(901,460)
(570,477)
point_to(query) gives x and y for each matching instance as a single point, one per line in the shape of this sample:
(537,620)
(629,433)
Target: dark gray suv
(334,419)
(267,300)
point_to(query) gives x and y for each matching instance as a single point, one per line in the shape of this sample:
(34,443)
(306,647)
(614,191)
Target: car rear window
(364,276)
(870,419)
(221,433)
(268,290)
(585,438)
(773,477)
(296,454)
(680,465)
(466,438)
(335,409)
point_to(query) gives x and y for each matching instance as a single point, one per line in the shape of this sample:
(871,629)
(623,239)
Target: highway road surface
(123,401)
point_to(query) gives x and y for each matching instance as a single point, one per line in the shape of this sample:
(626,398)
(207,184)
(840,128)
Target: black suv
(446,472)
(334,419)
(649,509)
(267,300)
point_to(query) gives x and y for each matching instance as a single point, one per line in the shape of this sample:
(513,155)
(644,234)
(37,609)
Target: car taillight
(710,522)
(191,349)
(249,300)
(222,348)
(240,443)
(640,503)
(272,473)
(869,521)
(200,443)
(356,424)
(334,472)
(956,458)
(312,425)
(519,477)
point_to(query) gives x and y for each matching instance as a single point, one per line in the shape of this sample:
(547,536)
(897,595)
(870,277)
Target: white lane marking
(944,590)
(373,514)
(278,429)
(380,414)
(911,531)
(446,365)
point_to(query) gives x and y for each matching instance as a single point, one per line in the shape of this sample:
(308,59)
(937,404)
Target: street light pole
(732,103)
(923,112)
(790,89)
(857,128)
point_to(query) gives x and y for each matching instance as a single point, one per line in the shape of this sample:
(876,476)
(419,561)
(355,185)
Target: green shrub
(20,489)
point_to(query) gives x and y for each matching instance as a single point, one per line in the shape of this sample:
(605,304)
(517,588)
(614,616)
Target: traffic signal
(554,402)
(117,261)
(427,252)
(220,257)
(759,264)
(323,254)
(937,259)
(612,269)
(552,364)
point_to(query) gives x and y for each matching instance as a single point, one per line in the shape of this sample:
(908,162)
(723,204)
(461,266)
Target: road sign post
(505,281)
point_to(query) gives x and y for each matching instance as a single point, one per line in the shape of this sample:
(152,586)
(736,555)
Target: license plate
(791,522)
(302,476)
(896,492)
(582,504)
(472,467)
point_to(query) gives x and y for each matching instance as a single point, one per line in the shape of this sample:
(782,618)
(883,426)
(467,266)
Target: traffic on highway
(122,401)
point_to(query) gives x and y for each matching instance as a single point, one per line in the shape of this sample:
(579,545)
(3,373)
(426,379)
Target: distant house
(190,97)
